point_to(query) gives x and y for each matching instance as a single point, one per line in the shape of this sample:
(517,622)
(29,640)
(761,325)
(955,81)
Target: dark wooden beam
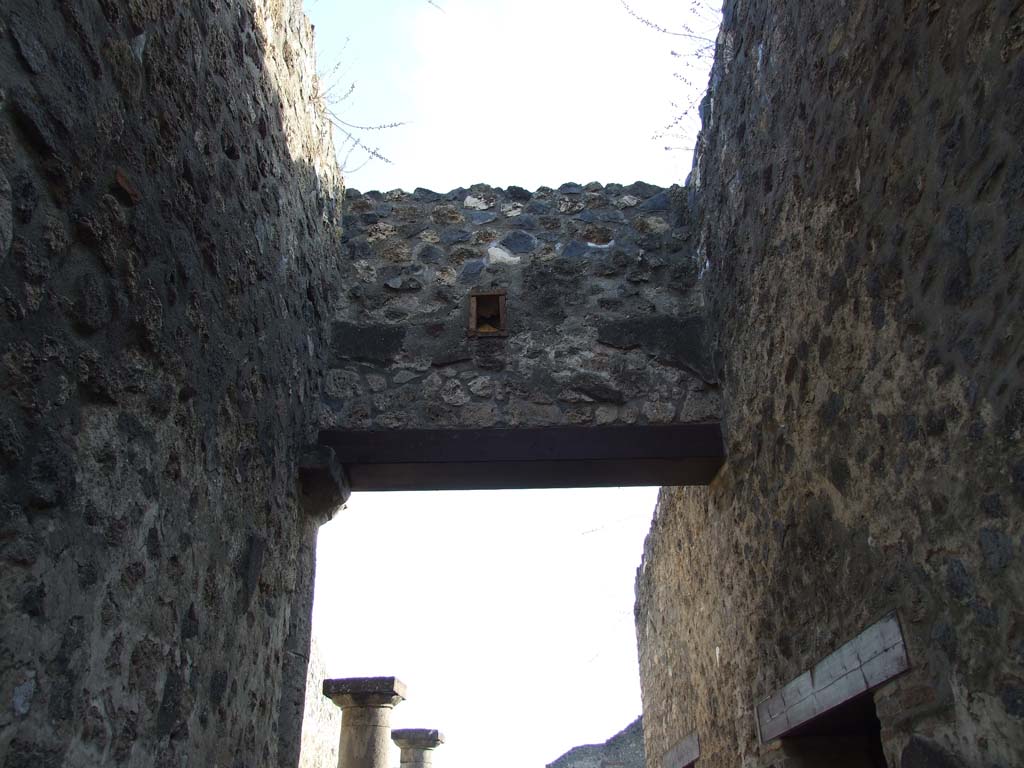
(539,457)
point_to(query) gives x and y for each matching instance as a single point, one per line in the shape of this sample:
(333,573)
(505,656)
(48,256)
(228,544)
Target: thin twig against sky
(337,90)
(697,33)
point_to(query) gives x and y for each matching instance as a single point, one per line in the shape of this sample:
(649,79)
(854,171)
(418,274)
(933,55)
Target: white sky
(525,92)
(508,614)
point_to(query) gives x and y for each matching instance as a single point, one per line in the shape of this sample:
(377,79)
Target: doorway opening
(848,736)
(476,600)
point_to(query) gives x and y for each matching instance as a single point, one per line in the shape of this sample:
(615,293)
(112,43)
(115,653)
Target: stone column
(366,704)
(417,745)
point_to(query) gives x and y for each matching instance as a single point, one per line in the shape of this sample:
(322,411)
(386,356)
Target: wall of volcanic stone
(861,185)
(604,323)
(168,215)
(321,717)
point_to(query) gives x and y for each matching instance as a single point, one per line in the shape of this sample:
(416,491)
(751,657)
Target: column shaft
(417,758)
(365,737)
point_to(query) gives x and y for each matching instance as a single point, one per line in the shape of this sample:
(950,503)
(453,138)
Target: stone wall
(861,185)
(321,719)
(168,201)
(623,750)
(604,324)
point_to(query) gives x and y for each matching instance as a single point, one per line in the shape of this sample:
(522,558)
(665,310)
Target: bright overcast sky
(525,92)
(508,614)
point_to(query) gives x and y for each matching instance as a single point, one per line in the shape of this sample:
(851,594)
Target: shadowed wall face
(168,210)
(860,191)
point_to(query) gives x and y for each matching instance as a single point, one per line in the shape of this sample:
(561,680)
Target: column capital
(417,738)
(365,691)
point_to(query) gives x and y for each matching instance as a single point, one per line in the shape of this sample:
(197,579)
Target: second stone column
(417,745)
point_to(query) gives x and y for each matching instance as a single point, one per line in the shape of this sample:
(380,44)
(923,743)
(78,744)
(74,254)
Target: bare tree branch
(695,54)
(337,89)
(687,32)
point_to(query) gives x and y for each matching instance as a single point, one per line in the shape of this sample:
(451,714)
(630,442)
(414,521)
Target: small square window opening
(488,314)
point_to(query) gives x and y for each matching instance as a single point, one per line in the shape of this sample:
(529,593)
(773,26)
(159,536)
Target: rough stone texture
(605,324)
(6,217)
(163,314)
(321,719)
(623,750)
(859,182)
